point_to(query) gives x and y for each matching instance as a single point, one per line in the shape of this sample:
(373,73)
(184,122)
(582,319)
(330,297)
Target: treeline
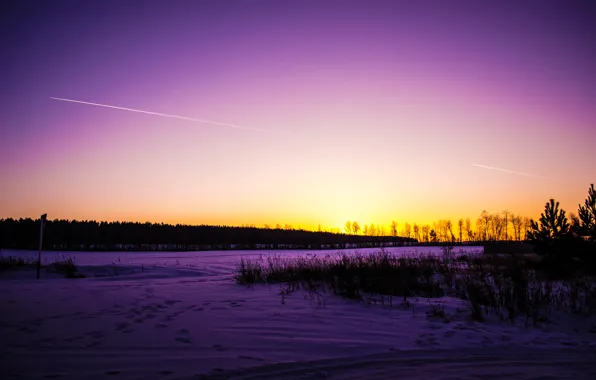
(503,226)
(93,235)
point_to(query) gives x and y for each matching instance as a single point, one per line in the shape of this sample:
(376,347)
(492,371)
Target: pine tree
(552,225)
(586,223)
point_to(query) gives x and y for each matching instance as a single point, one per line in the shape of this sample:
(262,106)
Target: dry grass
(506,286)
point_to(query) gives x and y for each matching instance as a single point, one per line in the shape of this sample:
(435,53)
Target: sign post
(41,225)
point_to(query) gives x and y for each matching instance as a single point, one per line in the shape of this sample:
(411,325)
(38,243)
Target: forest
(107,236)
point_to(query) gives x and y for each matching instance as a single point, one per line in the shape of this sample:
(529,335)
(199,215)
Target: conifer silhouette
(553,224)
(586,223)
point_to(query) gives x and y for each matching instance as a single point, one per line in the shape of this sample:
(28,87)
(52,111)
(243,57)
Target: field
(147,315)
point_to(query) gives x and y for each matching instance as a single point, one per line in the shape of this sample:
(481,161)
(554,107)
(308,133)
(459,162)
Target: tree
(416,232)
(586,221)
(496,227)
(407,230)
(355,227)
(468,230)
(482,225)
(506,215)
(552,225)
(425,233)
(525,227)
(449,227)
(460,227)
(433,236)
(348,227)
(394,228)
(372,230)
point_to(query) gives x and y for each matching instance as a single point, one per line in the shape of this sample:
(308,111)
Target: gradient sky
(372,111)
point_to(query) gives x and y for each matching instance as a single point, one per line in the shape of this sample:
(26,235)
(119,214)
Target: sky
(324,111)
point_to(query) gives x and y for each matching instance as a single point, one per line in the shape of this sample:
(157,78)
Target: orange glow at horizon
(230,115)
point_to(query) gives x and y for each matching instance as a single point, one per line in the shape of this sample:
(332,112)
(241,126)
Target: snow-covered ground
(179,315)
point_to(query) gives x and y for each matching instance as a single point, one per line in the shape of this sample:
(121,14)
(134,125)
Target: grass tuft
(63,265)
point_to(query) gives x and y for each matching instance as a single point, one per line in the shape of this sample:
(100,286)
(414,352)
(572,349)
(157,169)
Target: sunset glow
(301,113)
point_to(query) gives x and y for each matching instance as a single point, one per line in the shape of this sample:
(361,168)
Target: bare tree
(526,224)
(416,232)
(449,227)
(497,227)
(469,232)
(407,230)
(506,215)
(483,225)
(394,228)
(348,227)
(516,224)
(442,230)
(355,227)
(460,227)
(372,230)
(425,233)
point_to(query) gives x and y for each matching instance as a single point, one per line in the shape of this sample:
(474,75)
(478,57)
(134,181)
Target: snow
(173,315)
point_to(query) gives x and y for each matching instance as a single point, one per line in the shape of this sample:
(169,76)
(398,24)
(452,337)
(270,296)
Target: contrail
(162,115)
(509,171)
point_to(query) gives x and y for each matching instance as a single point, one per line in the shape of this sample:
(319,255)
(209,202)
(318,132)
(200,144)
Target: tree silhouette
(416,232)
(506,215)
(393,228)
(586,221)
(552,225)
(425,233)
(460,227)
(407,230)
(433,236)
(469,232)
(348,227)
(355,227)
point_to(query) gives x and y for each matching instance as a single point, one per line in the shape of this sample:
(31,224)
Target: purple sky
(373,111)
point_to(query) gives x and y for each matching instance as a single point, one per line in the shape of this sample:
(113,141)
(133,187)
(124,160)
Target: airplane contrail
(162,114)
(509,171)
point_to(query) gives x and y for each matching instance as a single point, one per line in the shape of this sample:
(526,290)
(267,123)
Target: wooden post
(41,224)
